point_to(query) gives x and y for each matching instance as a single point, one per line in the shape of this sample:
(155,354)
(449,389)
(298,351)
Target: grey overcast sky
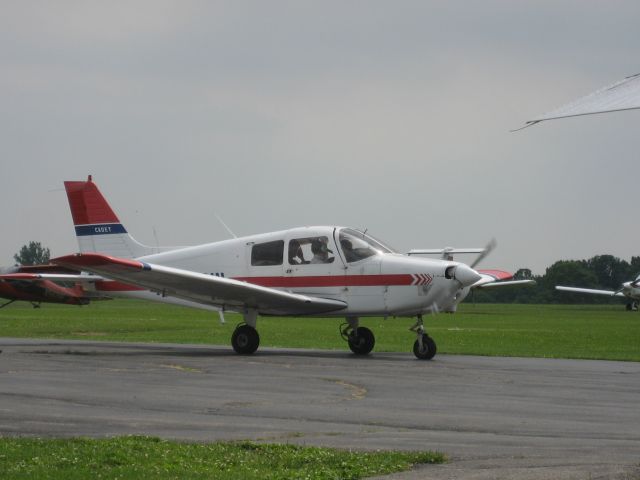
(387,115)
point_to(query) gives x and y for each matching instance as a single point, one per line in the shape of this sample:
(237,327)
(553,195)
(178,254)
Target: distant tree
(32,254)
(634,267)
(523,274)
(610,270)
(570,273)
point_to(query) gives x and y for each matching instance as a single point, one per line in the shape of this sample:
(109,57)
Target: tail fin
(97,226)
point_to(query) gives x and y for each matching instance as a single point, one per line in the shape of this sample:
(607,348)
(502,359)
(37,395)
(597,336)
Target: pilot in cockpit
(296,257)
(320,251)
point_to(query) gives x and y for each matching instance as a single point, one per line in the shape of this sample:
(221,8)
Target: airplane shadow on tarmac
(89,348)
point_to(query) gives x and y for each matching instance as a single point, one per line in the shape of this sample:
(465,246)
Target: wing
(591,291)
(221,292)
(622,95)
(54,277)
(498,278)
(508,283)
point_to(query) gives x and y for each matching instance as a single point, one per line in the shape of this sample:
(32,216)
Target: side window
(310,250)
(269,253)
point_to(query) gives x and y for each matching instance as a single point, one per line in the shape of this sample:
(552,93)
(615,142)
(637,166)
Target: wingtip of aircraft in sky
(616,97)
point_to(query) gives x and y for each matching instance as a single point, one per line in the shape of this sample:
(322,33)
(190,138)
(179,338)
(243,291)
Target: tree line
(602,272)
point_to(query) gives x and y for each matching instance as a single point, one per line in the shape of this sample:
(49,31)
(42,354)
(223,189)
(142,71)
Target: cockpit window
(357,246)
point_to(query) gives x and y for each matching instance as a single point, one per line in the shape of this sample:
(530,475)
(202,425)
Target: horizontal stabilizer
(443,251)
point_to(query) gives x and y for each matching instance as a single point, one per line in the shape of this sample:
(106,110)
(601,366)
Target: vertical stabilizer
(98,229)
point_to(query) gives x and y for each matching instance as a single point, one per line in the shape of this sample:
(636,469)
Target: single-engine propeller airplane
(48,284)
(630,290)
(326,271)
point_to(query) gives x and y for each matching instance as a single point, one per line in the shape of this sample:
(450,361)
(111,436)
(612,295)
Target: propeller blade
(487,250)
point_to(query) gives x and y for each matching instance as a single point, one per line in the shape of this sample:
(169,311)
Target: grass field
(146,457)
(557,331)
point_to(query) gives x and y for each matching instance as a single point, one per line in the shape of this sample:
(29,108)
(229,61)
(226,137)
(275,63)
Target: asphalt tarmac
(495,417)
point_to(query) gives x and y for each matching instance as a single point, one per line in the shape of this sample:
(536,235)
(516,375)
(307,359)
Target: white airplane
(323,271)
(630,290)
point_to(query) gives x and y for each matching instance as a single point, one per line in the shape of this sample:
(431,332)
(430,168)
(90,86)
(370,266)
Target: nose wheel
(424,348)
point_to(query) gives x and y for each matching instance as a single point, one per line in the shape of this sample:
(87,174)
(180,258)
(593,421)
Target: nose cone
(466,275)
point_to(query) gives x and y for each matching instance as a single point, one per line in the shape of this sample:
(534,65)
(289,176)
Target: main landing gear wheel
(361,340)
(632,307)
(245,339)
(427,350)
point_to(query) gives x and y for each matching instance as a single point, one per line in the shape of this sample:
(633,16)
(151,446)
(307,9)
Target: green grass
(557,331)
(140,457)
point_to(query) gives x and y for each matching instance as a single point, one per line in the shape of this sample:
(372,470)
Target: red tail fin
(87,204)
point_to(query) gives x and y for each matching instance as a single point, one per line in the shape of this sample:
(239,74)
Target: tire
(429,348)
(245,340)
(361,341)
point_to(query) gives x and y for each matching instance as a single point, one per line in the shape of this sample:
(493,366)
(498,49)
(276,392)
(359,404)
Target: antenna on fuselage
(155,236)
(225,226)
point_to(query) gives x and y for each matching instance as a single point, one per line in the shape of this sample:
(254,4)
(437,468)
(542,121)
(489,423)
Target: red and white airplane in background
(323,271)
(60,285)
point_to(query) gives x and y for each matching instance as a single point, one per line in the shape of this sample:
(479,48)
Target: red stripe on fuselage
(331,281)
(295,282)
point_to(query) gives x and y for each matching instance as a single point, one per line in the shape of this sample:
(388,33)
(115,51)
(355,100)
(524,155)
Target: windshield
(358,246)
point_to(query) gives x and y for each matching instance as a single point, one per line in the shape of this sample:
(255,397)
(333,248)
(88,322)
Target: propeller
(486,251)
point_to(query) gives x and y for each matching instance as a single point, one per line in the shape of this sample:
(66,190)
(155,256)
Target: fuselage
(632,289)
(43,291)
(329,262)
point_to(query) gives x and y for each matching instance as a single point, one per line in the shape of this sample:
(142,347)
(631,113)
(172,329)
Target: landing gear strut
(424,348)
(633,306)
(8,303)
(360,339)
(245,339)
